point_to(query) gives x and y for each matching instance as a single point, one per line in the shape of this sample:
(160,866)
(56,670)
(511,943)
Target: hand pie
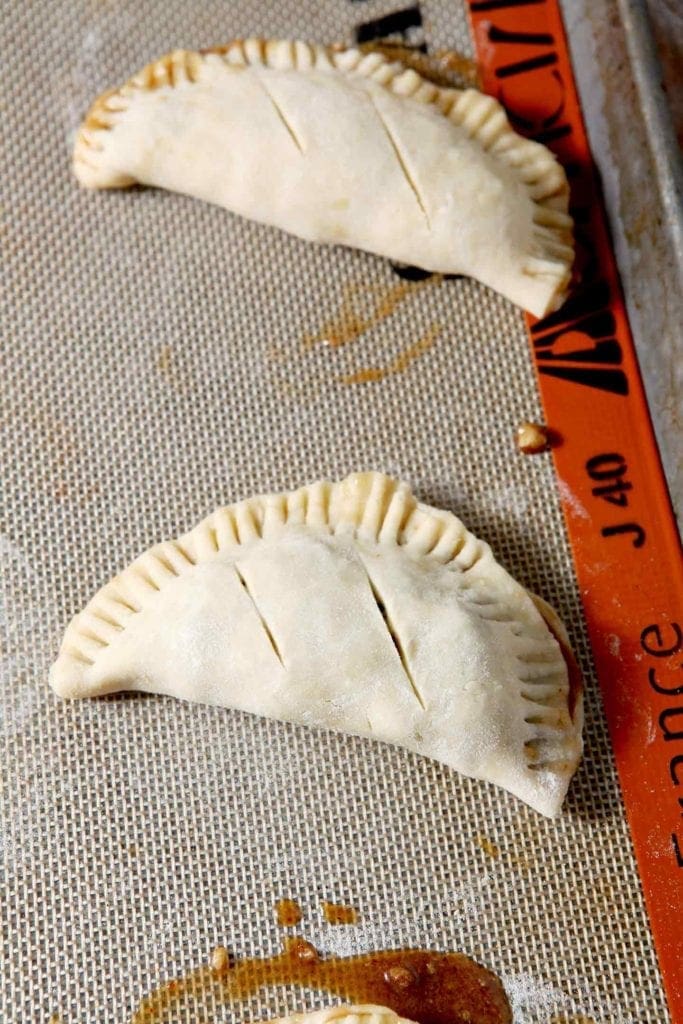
(486,1001)
(347,606)
(341,146)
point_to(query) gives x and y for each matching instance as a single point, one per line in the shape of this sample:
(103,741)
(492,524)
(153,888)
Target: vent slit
(266,627)
(401,162)
(281,114)
(396,640)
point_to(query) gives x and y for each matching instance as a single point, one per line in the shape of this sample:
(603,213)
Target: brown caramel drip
(573,668)
(371,374)
(489,847)
(338,913)
(445,68)
(450,63)
(172,371)
(426,987)
(164,358)
(351,322)
(288,913)
(574,672)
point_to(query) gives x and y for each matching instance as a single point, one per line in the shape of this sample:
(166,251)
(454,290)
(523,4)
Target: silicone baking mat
(154,367)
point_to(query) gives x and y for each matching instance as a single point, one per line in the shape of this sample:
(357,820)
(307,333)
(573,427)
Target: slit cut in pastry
(347,606)
(345,147)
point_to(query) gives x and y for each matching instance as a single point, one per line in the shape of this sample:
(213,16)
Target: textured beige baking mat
(154,366)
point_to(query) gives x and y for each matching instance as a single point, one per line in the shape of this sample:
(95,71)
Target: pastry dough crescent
(490,999)
(347,606)
(341,146)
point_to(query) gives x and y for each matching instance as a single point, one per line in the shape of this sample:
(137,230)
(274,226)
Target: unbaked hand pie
(347,606)
(342,146)
(488,1006)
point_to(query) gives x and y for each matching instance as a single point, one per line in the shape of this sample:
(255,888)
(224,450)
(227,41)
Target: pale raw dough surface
(140,396)
(366,1014)
(345,606)
(348,148)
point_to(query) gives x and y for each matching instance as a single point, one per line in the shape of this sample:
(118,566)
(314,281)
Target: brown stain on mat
(518,860)
(164,360)
(288,913)
(492,850)
(62,469)
(449,64)
(424,986)
(276,354)
(445,68)
(364,306)
(170,367)
(63,453)
(489,847)
(339,913)
(371,374)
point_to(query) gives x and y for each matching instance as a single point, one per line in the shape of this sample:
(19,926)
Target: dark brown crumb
(339,913)
(288,913)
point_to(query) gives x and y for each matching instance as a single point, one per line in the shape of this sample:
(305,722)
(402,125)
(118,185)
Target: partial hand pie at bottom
(488,1006)
(347,606)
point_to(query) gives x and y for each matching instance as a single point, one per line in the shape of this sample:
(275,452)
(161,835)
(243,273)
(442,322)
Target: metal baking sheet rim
(664,146)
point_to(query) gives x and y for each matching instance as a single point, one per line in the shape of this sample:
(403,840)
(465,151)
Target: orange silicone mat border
(621,526)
